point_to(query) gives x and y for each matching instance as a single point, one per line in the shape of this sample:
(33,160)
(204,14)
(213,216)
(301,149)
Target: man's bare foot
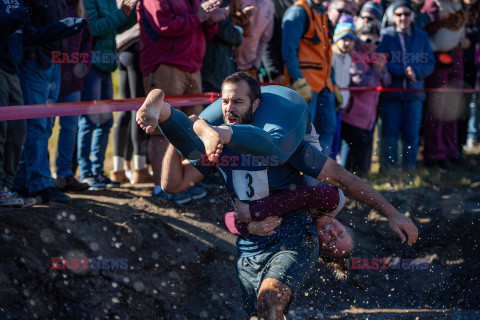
(210,138)
(149,113)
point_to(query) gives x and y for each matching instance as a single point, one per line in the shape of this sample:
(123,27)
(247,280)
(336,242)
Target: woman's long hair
(340,266)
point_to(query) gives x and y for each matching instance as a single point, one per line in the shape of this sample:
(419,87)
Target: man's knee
(272,299)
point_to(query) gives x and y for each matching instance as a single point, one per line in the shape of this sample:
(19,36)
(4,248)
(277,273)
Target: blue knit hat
(345,28)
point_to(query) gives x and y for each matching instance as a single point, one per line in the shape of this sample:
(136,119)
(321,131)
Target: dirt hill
(180,260)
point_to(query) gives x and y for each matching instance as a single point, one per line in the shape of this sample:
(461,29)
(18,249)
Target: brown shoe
(119,176)
(142,176)
(69,184)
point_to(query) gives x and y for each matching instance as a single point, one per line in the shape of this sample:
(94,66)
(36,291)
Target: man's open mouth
(232,120)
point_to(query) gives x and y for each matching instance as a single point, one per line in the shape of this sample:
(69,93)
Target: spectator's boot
(119,177)
(142,176)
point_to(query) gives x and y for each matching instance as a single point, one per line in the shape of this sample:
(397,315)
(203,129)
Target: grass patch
(459,177)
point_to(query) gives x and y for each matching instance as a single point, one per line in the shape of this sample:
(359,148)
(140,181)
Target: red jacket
(171,34)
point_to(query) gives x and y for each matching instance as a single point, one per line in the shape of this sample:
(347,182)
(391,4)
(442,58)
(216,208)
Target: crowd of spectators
(66,51)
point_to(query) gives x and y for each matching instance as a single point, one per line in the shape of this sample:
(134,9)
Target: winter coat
(106,20)
(417,54)
(219,61)
(172,34)
(361,109)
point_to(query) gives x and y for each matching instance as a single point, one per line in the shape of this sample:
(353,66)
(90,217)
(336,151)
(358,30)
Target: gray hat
(402,3)
(374,8)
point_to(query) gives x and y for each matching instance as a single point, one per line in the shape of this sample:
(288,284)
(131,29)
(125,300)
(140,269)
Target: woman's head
(336,245)
(336,240)
(369,36)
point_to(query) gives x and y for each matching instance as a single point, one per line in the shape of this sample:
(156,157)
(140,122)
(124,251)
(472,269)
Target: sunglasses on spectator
(370,40)
(406,14)
(368,18)
(343,11)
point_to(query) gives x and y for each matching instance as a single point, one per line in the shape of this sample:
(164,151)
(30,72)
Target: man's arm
(56,31)
(334,174)
(178,176)
(293,25)
(12,22)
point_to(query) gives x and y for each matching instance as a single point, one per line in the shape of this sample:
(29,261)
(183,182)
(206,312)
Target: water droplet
(47,236)
(139,286)
(94,246)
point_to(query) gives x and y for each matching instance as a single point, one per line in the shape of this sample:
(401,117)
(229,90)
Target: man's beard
(246,118)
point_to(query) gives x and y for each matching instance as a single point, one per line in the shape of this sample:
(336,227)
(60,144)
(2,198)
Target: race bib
(250,185)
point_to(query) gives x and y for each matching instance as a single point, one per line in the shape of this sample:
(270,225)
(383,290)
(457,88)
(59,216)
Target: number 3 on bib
(250,185)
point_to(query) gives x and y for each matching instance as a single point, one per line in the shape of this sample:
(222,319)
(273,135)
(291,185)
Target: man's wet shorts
(289,261)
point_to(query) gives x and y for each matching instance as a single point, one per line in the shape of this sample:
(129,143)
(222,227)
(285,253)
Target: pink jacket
(171,34)
(251,50)
(361,110)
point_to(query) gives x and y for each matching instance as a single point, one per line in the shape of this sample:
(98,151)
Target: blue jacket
(17,33)
(417,54)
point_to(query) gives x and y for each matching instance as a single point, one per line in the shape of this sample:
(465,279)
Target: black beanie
(402,3)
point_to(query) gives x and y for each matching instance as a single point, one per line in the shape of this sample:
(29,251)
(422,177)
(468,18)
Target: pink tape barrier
(93,107)
(104,106)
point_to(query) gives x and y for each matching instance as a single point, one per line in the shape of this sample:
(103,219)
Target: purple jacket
(171,34)
(361,110)
(73,70)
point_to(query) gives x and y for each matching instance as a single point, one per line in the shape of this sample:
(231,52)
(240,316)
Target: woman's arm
(256,228)
(326,199)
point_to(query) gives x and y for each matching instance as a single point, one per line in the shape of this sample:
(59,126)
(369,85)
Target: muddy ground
(180,259)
